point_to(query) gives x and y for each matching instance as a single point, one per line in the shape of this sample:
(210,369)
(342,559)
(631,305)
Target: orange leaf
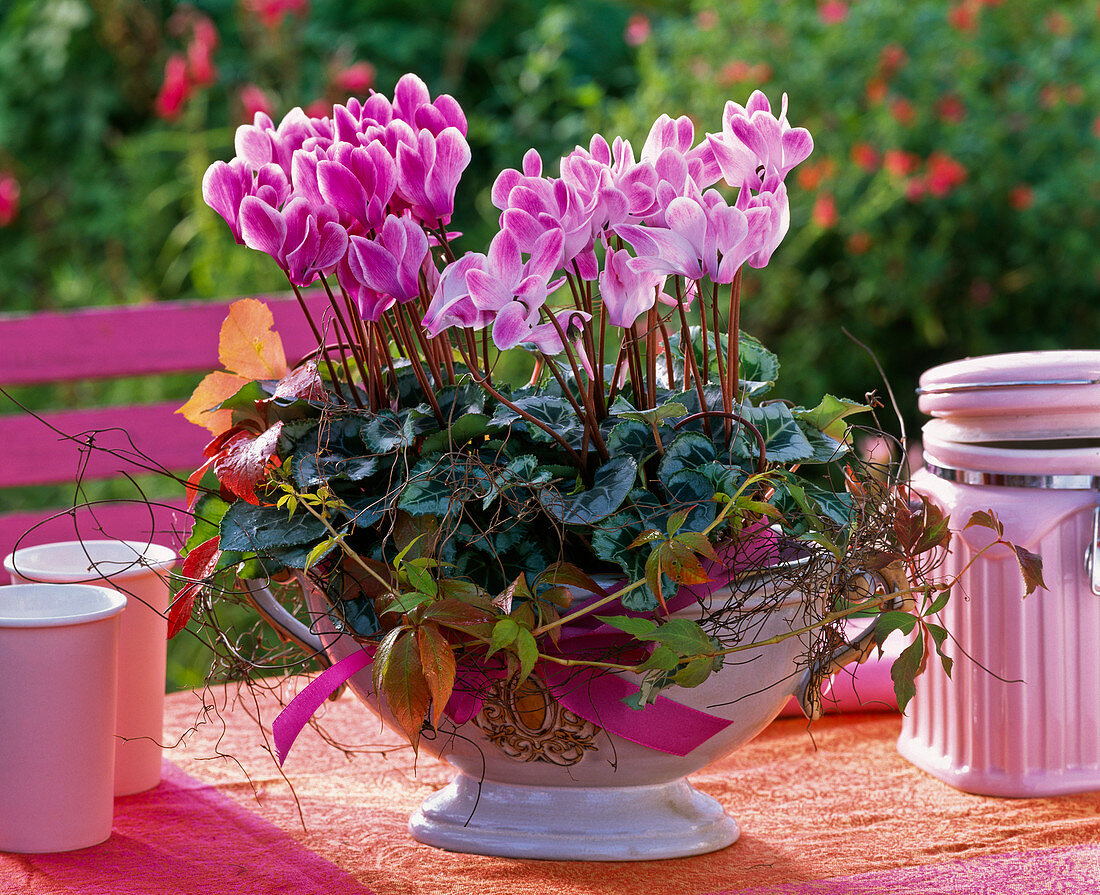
(214,388)
(405,688)
(248,346)
(438,661)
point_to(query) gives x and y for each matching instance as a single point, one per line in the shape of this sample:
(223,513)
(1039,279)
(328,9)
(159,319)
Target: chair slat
(134,340)
(35,454)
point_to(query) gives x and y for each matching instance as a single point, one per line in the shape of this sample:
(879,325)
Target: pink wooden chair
(60,447)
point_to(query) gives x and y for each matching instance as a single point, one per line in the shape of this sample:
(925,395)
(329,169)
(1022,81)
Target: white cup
(140,571)
(58,686)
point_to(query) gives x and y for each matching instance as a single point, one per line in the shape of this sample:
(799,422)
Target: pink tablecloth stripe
(1073,870)
(185,837)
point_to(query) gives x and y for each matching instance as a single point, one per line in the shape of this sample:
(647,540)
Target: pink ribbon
(664,725)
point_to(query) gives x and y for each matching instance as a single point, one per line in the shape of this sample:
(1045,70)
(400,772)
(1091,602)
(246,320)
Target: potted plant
(580,579)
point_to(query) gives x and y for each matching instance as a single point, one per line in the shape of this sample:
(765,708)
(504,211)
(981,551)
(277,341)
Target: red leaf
(303,383)
(242,463)
(198,565)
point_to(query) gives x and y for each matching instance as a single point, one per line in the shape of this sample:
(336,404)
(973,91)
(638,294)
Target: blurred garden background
(951,206)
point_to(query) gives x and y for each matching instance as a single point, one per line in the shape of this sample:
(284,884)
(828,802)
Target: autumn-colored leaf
(461,615)
(437,660)
(242,463)
(698,543)
(201,407)
(566,574)
(405,687)
(248,346)
(304,383)
(985,519)
(199,564)
(680,564)
(1031,567)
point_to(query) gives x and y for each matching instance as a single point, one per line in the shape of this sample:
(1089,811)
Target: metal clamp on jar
(1018,434)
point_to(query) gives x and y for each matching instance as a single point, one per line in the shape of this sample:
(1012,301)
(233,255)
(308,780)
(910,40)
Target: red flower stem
(418,369)
(425,348)
(703,331)
(651,358)
(589,418)
(689,355)
(321,349)
(384,350)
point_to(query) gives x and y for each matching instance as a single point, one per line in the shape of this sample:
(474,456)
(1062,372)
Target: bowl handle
(286,625)
(890,580)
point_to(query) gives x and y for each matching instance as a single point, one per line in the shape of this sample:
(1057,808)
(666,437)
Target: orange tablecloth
(832,809)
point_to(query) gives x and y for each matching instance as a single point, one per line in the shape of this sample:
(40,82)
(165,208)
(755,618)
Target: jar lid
(1027,394)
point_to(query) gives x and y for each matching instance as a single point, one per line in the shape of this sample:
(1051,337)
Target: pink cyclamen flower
(753,139)
(9,198)
(225,185)
(358,181)
(429,171)
(175,90)
(412,103)
(262,143)
(533,205)
(627,293)
(451,304)
(304,240)
(391,263)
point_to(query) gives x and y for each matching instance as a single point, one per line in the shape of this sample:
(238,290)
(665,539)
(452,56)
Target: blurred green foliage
(1002,95)
(111,210)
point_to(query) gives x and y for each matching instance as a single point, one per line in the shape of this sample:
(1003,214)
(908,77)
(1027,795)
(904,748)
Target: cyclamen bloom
(303,240)
(226,184)
(754,142)
(391,263)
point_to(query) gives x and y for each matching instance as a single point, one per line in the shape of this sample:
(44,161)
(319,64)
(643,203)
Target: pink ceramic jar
(1020,715)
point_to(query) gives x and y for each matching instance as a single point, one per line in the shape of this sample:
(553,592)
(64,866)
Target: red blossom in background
(200,64)
(356,79)
(175,90)
(254,100)
(706,20)
(944,174)
(9,198)
(272,12)
(832,12)
(915,188)
(810,176)
(1096,126)
(876,91)
(865,156)
(903,112)
(860,243)
(637,30)
(1021,197)
(892,58)
(900,163)
(825,214)
(951,108)
(964,16)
